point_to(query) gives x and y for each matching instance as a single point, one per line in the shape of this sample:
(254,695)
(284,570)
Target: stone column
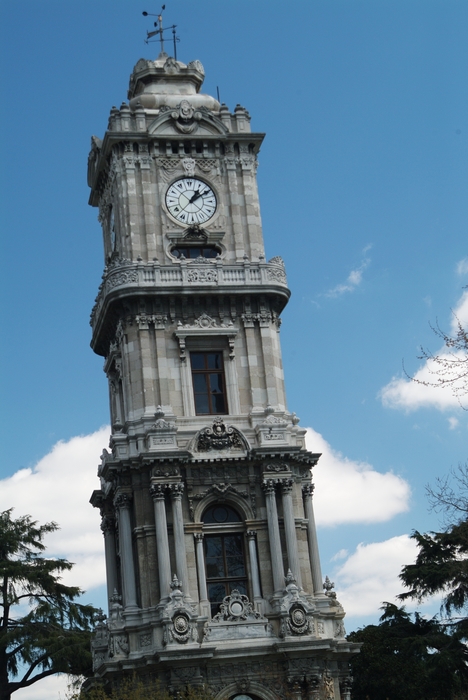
(308,490)
(274,536)
(179,537)
(122,502)
(201,567)
(290,530)
(108,530)
(251,537)
(162,542)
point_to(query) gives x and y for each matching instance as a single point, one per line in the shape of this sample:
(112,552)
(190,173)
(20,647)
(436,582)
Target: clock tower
(213,568)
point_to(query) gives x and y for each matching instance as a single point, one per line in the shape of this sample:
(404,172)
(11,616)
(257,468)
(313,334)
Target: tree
(450,368)
(441,566)
(408,659)
(136,689)
(42,629)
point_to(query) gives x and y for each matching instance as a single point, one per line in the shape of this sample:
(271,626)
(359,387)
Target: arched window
(224,554)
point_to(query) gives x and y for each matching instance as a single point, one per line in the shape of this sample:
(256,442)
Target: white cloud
(403,393)
(453,422)
(370,575)
(353,280)
(364,495)
(462,267)
(50,688)
(58,488)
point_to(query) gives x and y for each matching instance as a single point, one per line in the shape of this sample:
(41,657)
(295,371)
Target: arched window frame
(245,513)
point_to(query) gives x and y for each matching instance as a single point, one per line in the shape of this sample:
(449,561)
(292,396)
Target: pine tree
(43,630)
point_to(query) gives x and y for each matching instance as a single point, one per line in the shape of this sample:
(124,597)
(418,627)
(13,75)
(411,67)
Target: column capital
(107,524)
(308,490)
(251,534)
(286,484)
(176,490)
(269,486)
(123,500)
(157,491)
(198,536)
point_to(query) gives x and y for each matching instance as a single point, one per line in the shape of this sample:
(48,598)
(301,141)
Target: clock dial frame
(191,201)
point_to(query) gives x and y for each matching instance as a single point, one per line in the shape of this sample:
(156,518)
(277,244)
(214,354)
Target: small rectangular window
(209,387)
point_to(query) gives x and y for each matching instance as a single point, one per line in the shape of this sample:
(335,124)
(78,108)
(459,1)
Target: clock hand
(197,194)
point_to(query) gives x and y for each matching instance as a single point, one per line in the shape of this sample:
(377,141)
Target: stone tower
(213,568)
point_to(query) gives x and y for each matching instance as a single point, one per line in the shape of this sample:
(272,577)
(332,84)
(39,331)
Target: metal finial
(159,29)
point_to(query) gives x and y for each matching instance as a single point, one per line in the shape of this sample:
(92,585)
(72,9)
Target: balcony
(126,278)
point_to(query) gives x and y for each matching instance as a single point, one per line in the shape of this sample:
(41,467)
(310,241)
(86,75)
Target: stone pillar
(122,502)
(162,541)
(274,536)
(308,490)
(290,530)
(179,537)
(108,530)
(251,537)
(201,567)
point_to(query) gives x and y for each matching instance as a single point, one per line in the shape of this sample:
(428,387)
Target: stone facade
(213,568)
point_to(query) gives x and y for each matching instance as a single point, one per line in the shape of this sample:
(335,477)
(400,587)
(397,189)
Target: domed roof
(166,81)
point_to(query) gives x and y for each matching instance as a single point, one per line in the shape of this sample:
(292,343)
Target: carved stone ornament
(205,321)
(236,607)
(118,645)
(237,619)
(328,687)
(202,276)
(100,641)
(178,618)
(296,611)
(298,622)
(162,434)
(219,437)
(189,166)
(185,117)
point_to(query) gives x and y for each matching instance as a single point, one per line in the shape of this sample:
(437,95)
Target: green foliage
(136,689)
(42,629)
(408,659)
(441,566)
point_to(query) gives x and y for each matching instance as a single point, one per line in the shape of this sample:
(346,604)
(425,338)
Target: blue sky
(363,182)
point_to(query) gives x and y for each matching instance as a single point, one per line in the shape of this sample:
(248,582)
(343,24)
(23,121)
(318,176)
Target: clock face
(191,201)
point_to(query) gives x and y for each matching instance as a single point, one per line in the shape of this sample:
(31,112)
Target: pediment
(186,119)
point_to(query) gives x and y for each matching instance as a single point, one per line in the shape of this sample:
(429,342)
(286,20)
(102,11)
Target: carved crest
(219,437)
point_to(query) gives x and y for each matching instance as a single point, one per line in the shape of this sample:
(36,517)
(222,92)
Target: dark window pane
(198,360)
(201,404)
(199,384)
(216,592)
(214,360)
(218,403)
(213,546)
(215,568)
(233,544)
(217,514)
(216,383)
(235,566)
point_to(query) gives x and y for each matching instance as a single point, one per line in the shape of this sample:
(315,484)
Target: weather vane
(160,30)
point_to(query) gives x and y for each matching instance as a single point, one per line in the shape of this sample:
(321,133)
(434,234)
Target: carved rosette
(298,622)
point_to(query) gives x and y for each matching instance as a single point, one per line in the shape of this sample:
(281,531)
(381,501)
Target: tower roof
(166,81)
